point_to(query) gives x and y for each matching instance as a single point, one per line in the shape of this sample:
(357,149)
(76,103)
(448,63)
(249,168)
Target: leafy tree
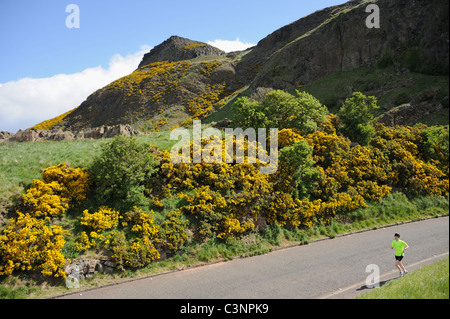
(282,110)
(356,116)
(122,170)
(296,161)
(436,146)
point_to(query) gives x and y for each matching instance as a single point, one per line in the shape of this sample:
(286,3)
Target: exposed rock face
(413,30)
(60,135)
(177,49)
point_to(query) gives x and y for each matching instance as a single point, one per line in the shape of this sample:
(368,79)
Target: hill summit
(180,79)
(177,49)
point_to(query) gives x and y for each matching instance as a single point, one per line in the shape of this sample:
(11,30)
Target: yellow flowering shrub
(83,242)
(288,137)
(141,223)
(29,244)
(136,253)
(75,182)
(193,46)
(173,230)
(44,199)
(227,198)
(140,253)
(207,206)
(404,146)
(292,212)
(49,124)
(104,219)
(231,226)
(203,104)
(371,190)
(209,67)
(326,145)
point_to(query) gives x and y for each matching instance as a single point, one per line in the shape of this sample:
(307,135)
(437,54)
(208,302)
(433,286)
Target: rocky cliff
(181,79)
(412,33)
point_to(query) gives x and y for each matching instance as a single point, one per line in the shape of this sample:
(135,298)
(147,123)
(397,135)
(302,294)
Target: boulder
(5,136)
(62,135)
(27,136)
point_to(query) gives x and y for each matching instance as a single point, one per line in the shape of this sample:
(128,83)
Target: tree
(282,110)
(297,173)
(356,116)
(122,171)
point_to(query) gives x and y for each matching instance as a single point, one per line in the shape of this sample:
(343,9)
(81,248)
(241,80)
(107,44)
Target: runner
(399,247)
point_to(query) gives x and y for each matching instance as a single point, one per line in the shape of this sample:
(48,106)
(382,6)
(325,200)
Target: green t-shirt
(398,247)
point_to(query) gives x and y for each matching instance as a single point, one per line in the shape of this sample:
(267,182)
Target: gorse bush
(60,186)
(100,221)
(31,241)
(135,204)
(44,199)
(30,244)
(174,231)
(75,182)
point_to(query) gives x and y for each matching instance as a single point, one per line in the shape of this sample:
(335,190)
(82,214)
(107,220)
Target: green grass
(390,87)
(428,282)
(20,163)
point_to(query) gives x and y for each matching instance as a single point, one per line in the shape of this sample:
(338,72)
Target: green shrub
(273,233)
(356,115)
(122,171)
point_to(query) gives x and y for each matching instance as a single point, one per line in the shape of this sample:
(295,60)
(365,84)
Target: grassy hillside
(20,163)
(390,86)
(127,201)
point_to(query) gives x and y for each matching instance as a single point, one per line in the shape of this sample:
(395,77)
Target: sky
(47,68)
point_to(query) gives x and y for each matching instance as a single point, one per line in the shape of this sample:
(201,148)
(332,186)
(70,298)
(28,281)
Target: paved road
(308,271)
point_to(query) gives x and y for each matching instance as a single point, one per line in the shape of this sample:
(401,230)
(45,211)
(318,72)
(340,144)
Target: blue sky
(37,48)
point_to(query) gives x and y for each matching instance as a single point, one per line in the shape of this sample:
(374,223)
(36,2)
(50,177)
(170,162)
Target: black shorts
(398,258)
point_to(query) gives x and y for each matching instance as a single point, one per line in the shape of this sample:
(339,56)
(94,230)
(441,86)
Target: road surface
(334,268)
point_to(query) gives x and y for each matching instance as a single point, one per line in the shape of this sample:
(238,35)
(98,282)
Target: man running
(399,246)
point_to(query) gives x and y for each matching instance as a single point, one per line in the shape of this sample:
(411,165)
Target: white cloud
(230,46)
(29,101)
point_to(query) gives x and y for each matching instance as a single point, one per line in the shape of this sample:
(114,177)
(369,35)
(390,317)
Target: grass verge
(428,282)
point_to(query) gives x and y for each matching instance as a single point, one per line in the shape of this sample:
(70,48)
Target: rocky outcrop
(422,104)
(60,135)
(177,49)
(86,268)
(4,136)
(337,39)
